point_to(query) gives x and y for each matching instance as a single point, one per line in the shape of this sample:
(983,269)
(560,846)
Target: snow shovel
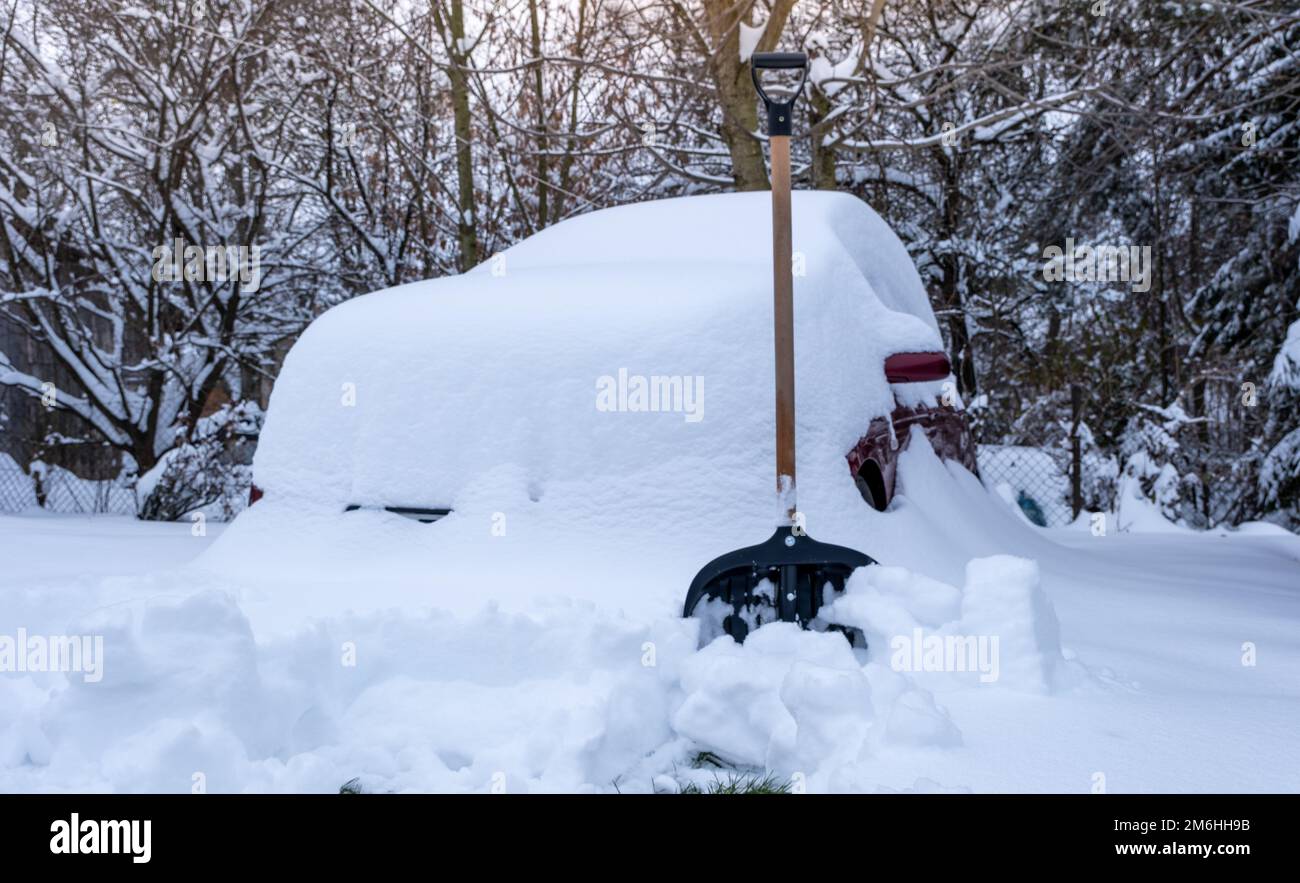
(785,578)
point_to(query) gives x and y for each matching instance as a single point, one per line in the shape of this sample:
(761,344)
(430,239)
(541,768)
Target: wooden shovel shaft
(783,316)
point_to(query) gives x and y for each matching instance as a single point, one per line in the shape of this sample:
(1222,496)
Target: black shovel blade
(784,578)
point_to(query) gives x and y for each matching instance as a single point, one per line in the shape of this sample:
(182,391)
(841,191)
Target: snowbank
(785,700)
(301,679)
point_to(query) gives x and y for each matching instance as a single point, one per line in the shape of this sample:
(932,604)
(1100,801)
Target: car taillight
(916,367)
(254,494)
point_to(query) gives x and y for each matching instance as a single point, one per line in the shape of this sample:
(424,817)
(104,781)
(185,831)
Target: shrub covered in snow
(211,470)
(1185,466)
(1279,472)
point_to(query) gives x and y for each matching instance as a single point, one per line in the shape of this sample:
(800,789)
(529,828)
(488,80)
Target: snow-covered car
(399,399)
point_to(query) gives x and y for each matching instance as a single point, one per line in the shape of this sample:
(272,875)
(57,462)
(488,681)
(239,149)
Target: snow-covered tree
(147,241)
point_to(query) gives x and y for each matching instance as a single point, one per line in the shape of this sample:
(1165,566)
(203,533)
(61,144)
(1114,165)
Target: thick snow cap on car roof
(519,380)
(732,228)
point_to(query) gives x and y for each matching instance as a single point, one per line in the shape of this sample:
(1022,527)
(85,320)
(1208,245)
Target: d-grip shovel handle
(778,112)
(779,115)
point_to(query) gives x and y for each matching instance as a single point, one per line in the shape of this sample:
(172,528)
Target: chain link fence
(1037,480)
(54,489)
(43,471)
(1044,477)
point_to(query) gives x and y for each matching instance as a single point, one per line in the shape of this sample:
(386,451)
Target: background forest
(358,144)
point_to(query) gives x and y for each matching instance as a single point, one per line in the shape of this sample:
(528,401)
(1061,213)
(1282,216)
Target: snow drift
(295,677)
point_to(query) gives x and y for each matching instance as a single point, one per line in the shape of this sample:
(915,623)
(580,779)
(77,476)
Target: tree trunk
(570,148)
(736,96)
(539,96)
(959,341)
(823,157)
(451,23)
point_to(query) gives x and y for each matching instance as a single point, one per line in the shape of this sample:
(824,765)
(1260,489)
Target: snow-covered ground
(1121,656)
(532,638)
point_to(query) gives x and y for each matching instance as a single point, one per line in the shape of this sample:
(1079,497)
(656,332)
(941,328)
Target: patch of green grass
(736,783)
(708,758)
